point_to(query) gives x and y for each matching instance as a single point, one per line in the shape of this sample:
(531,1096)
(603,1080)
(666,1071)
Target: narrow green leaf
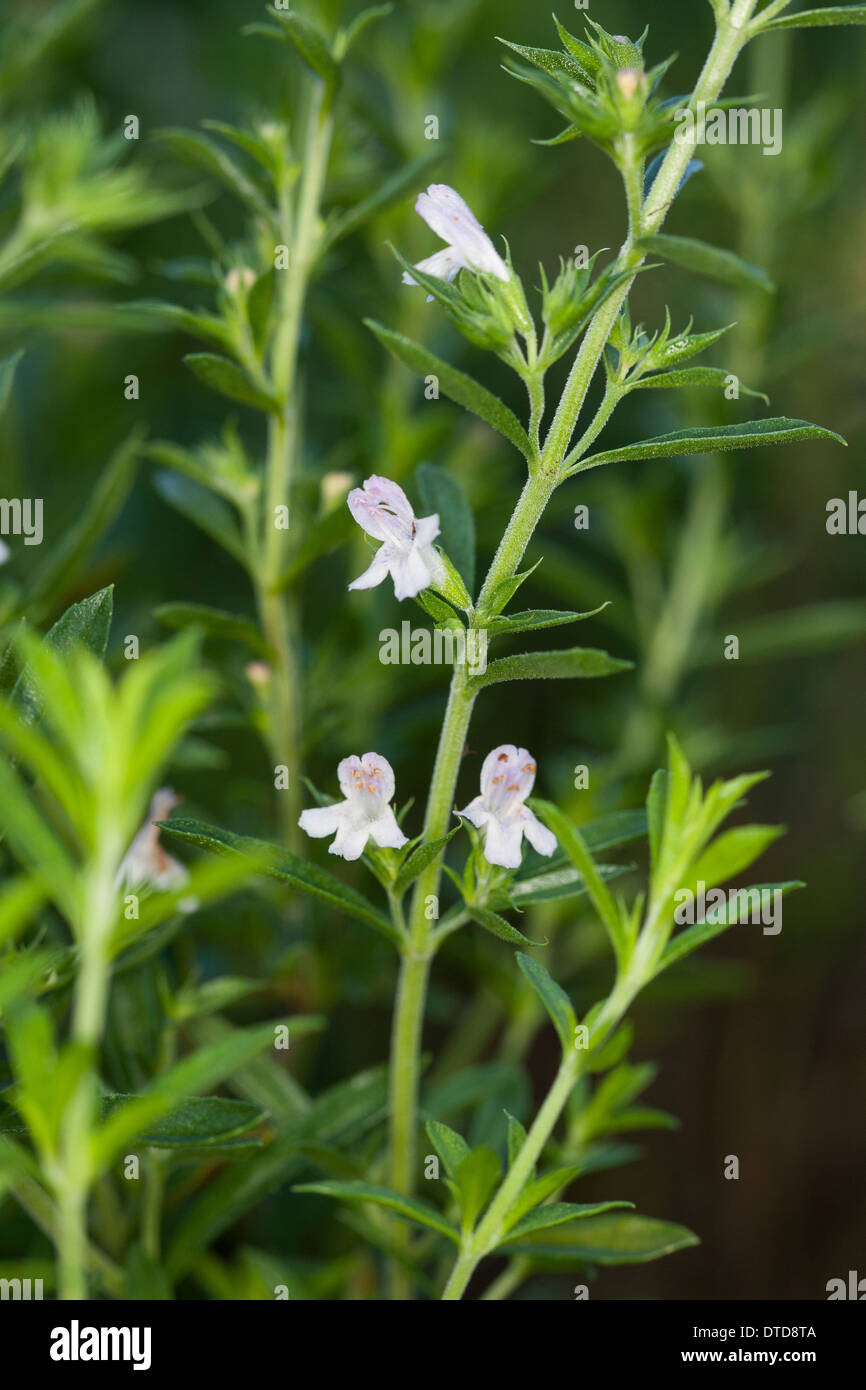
(637,1117)
(450,1146)
(208,155)
(349,1108)
(456,385)
(441,492)
(199,1121)
(88,623)
(534,619)
(516,1138)
(806,631)
(284,866)
(492,922)
(557,884)
(554,999)
(344,1110)
(418,861)
(388,193)
(505,590)
(556,1214)
(617,828)
(752,434)
(550,60)
(201,1070)
(226,377)
(707,260)
(410,1208)
(350,35)
(692,376)
(8,367)
(724,916)
(656,805)
(576,663)
(214,621)
(812,19)
(732,852)
(20,899)
(312,45)
(69,552)
(610,1240)
(197,325)
(476,1180)
(538,1191)
(205,510)
(572,842)
(145,1280)
(33,842)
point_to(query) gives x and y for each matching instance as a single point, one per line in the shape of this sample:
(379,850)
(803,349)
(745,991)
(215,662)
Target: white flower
(506,781)
(146,864)
(469,247)
(407,554)
(5,552)
(368,786)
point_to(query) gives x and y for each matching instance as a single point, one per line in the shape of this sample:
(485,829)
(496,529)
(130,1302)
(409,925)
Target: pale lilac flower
(5,552)
(468,245)
(146,864)
(407,554)
(368,786)
(507,776)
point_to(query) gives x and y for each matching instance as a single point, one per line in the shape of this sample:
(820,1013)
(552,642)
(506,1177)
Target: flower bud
(240,277)
(258,673)
(628,81)
(334,488)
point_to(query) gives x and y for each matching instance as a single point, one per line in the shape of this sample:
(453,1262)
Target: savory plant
(93,893)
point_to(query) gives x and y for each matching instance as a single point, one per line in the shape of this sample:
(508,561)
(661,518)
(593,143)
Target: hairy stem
(730,38)
(536,494)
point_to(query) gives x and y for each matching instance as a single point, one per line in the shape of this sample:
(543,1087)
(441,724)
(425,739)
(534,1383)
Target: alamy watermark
(742,125)
(439,647)
(736,906)
(22,516)
(21,1289)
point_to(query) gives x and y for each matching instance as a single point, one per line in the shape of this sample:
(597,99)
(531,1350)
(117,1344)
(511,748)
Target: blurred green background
(762,1048)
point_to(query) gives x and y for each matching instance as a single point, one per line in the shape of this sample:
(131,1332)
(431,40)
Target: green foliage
(171,1010)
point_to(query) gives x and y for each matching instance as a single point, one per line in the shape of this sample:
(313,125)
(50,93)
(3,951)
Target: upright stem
(88,1019)
(420,945)
(487,1234)
(537,491)
(300,232)
(729,39)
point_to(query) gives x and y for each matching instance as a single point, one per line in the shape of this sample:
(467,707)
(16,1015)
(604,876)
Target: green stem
(277,613)
(510,1279)
(612,397)
(536,494)
(403,1084)
(88,1020)
(422,940)
(72,1245)
(489,1232)
(730,38)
